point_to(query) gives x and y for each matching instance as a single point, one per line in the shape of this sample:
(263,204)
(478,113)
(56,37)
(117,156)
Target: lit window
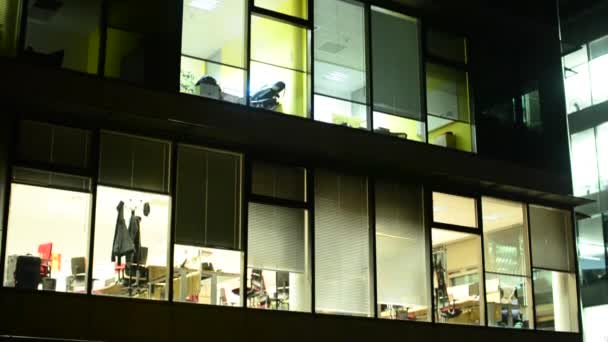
(455,210)
(279,67)
(47,236)
(213,49)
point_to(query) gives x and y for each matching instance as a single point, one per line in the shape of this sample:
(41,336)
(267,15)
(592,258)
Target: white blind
(276,238)
(342,244)
(400,245)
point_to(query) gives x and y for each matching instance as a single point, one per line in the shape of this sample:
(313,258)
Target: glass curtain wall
(278,259)
(343,279)
(402,265)
(341,92)
(213,62)
(447,92)
(457,261)
(396,75)
(555,291)
(585,72)
(207,259)
(507,266)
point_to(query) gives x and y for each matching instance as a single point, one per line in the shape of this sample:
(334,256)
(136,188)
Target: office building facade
(273,169)
(584,38)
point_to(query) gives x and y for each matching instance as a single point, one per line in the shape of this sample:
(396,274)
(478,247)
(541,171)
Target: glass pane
(340,69)
(280,44)
(584,163)
(399,127)
(576,58)
(47,239)
(65,36)
(131,244)
(141,45)
(594,323)
(448,46)
(451,134)
(10,12)
(505,237)
(577,84)
(212,80)
(215,31)
(401,253)
(592,255)
(456,210)
(598,47)
(396,64)
(342,245)
(447,92)
(457,277)
(555,298)
(599,82)
(551,232)
(278,265)
(601,144)
(278,181)
(279,89)
(340,112)
(207,276)
(509,301)
(294,8)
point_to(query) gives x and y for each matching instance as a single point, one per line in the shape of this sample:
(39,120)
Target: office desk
(213,277)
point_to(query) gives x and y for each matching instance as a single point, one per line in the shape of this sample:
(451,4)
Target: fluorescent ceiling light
(336,76)
(206,5)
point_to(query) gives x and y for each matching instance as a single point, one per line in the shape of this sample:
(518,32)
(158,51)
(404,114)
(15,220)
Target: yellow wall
(461,131)
(93,52)
(296,8)
(283,45)
(440,77)
(119,44)
(10,11)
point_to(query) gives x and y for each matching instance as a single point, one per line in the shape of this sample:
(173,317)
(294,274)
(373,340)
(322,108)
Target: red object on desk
(45,252)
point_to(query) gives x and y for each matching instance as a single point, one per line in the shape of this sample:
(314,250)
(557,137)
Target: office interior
(132,209)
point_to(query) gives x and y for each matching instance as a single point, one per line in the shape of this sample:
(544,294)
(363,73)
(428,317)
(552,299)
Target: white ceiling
(442,237)
(499,214)
(340,23)
(206,32)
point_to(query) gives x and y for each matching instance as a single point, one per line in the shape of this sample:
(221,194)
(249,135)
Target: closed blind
(401,252)
(342,244)
(278,181)
(134,162)
(396,64)
(276,238)
(208,198)
(50,144)
(51,179)
(551,232)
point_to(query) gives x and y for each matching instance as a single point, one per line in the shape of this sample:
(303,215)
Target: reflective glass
(509,301)
(556,301)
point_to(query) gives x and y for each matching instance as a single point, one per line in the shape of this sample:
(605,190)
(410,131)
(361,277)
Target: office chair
(45,252)
(258,289)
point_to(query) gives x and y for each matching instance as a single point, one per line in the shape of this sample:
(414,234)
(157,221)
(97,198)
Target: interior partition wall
(137,217)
